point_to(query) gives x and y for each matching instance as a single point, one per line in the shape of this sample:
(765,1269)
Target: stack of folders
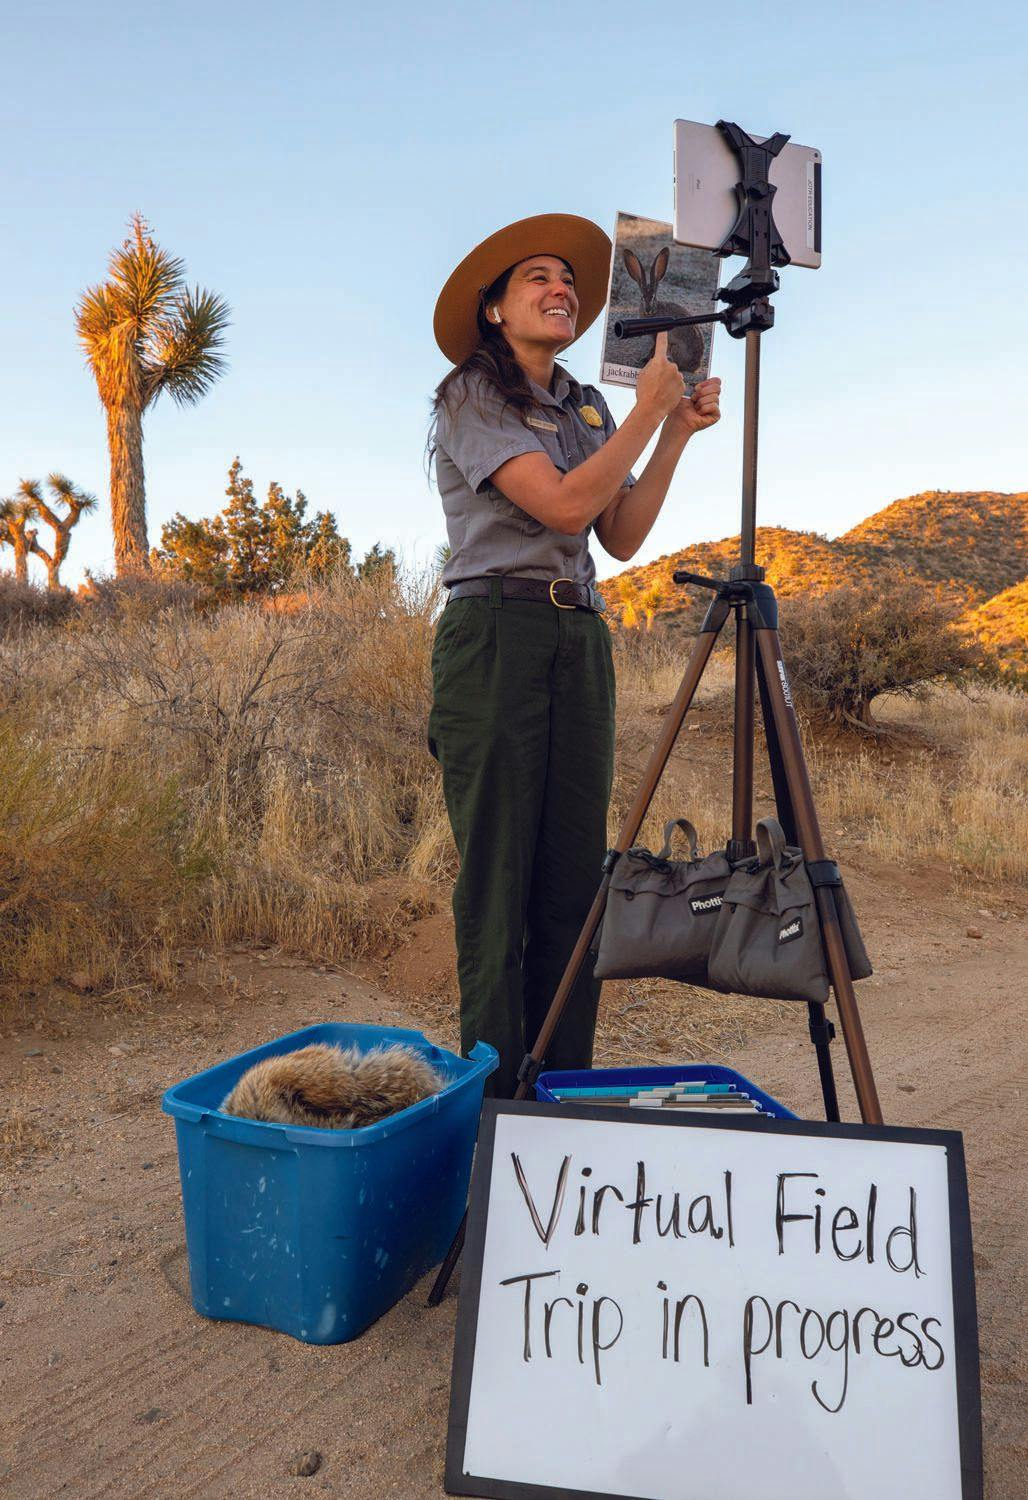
(719,1098)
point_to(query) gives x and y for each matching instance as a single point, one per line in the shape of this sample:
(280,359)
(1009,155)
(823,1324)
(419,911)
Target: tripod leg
(808,829)
(742,845)
(821,1033)
(820,1027)
(779,780)
(627,833)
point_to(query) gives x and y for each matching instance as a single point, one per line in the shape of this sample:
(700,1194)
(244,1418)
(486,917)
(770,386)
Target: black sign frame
(965,1314)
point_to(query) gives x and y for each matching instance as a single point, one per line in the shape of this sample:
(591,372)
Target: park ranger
(528,462)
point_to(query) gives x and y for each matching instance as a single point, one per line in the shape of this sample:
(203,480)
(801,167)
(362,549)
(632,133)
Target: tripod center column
(751,419)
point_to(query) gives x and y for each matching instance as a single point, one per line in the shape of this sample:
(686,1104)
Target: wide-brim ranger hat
(580,242)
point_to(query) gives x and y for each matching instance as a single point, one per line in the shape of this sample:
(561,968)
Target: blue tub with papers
(549,1085)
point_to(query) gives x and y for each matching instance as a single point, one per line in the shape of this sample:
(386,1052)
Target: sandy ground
(113,1387)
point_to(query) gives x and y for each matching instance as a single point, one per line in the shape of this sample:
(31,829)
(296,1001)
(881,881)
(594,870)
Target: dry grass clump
(653,1022)
(20,1136)
(23,604)
(97,868)
(235,775)
(959,794)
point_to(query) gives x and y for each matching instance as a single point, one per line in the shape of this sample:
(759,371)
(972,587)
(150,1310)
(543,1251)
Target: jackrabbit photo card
(650,277)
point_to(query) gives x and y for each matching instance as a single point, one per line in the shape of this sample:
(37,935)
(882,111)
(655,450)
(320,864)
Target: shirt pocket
(590,438)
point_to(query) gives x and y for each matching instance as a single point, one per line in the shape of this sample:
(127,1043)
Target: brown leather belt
(561,592)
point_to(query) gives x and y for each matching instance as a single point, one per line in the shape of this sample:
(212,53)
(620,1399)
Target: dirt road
(113,1388)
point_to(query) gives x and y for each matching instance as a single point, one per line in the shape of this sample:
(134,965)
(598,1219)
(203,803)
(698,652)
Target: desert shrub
(97,872)
(139,596)
(845,647)
(24,604)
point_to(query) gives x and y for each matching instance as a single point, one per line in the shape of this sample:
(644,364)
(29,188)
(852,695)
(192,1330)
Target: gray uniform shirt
(487,532)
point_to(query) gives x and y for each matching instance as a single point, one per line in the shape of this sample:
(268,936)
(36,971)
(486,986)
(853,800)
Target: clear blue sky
(325,166)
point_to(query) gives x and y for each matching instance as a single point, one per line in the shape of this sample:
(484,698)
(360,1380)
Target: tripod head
(754,234)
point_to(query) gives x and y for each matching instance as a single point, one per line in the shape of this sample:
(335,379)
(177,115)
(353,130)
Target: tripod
(759,667)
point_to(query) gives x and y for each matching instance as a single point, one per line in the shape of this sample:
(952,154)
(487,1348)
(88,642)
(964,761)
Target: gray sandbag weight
(661,913)
(768,938)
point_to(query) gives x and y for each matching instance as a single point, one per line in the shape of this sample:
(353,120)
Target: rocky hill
(1001,624)
(975,542)
(970,545)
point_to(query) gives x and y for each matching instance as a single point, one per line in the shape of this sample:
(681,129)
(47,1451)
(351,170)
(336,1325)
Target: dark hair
(493,358)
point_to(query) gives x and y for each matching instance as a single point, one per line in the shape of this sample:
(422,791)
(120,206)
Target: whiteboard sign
(663,1308)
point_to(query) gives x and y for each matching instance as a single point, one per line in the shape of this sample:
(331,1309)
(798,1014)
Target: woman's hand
(660,385)
(694,413)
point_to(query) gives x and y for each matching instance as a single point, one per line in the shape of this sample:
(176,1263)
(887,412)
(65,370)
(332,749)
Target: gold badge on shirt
(590,415)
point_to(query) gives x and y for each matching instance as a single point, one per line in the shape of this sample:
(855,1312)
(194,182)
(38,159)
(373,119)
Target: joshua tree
(16,513)
(628,597)
(78,502)
(144,331)
(651,600)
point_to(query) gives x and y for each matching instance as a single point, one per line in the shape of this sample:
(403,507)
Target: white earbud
(496,315)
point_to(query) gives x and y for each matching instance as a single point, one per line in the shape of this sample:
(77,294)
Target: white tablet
(706,208)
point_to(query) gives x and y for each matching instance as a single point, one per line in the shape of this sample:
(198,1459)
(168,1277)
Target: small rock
(3,1302)
(975,932)
(34,1052)
(907,1088)
(305,1464)
(154,1414)
(53,1358)
(147,1166)
(984,912)
(117,1051)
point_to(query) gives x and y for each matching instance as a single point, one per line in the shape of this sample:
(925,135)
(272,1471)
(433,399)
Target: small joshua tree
(17,513)
(628,600)
(76,503)
(651,599)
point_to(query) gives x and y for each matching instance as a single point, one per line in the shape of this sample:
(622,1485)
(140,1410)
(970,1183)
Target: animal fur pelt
(333,1087)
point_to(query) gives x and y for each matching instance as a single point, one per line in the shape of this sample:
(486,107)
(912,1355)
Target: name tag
(545,426)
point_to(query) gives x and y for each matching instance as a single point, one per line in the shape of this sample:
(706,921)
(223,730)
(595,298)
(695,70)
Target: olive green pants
(522,724)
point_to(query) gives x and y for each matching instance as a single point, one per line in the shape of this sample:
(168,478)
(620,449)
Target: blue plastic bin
(318,1232)
(657,1078)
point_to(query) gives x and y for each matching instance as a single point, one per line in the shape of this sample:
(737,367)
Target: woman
(522,722)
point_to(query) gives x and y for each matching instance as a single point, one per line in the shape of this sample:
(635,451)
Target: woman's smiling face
(539,304)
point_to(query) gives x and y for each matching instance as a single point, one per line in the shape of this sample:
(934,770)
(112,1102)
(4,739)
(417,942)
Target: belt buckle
(556,602)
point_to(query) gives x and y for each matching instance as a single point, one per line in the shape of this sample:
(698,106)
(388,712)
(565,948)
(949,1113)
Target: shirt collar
(564,385)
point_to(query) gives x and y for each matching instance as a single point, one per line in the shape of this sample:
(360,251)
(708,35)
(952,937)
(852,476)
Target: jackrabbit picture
(653,277)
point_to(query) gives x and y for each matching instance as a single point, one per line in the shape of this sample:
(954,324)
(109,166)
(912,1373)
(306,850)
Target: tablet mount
(758,666)
(754,234)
